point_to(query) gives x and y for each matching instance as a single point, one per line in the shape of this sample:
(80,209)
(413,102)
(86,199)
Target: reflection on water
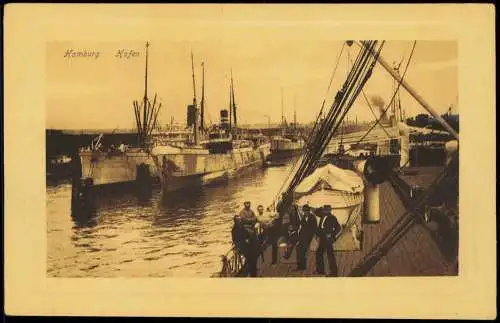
(182,234)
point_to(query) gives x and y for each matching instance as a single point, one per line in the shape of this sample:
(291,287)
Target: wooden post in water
(82,196)
(144,182)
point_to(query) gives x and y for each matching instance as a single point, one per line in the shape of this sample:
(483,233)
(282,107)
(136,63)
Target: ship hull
(187,169)
(106,168)
(284,154)
(283,148)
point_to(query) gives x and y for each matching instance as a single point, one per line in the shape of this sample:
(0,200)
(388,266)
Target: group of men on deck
(296,229)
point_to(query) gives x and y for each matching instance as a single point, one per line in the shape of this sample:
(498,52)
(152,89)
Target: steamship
(289,143)
(107,167)
(216,153)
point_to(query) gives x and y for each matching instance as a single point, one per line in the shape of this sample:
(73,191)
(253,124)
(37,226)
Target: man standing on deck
(307,230)
(249,222)
(238,234)
(293,231)
(328,229)
(260,233)
(269,235)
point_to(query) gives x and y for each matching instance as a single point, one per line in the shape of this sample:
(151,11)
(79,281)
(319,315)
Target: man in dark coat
(307,230)
(328,229)
(293,231)
(238,234)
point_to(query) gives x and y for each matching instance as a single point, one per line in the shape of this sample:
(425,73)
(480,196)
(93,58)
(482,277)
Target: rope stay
(316,122)
(370,106)
(403,224)
(377,121)
(325,129)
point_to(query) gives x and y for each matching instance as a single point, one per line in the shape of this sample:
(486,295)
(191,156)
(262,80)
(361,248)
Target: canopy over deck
(333,178)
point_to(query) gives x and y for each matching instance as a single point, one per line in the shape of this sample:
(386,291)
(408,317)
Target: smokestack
(379,102)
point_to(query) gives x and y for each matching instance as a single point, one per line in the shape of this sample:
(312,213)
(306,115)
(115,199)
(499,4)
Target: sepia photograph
(221,158)
(191,159)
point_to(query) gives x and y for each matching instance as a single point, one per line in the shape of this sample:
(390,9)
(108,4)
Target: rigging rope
(370,106)
(390,102)
(304,149)
(318,141)
(403,224)
(342,97)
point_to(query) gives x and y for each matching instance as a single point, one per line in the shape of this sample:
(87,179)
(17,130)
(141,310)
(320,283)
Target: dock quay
(416,253)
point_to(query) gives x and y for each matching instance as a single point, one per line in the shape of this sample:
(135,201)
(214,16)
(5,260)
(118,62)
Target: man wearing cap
(249,222)
(307,230)
(328,229)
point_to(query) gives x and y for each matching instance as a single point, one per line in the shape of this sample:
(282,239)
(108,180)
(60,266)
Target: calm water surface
(180,235)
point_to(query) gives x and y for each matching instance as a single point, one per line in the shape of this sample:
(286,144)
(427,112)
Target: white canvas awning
(336,199)
(333,178)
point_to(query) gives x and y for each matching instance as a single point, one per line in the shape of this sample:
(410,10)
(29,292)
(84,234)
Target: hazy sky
(265,58)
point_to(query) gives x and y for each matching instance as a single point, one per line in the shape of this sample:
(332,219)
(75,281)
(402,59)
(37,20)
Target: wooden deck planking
(394,206)
(421,176)
(415,254)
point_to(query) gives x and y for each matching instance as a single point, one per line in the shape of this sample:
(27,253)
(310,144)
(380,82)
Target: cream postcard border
(28,291)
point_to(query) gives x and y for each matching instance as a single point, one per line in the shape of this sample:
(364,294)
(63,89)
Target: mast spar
(230,107)
(234,102)
(195,126)
(294,111)
(202,103)
(194,82)
(409,89)
(282,117)
(145,99)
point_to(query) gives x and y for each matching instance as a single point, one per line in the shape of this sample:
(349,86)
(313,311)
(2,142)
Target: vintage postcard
(295,157)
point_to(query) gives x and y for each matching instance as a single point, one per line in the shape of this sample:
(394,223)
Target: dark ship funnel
(191,115)
(224,119)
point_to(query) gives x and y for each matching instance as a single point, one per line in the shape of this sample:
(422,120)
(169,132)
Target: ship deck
(416,254)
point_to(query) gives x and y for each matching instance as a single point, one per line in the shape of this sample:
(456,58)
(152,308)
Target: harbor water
(180,235)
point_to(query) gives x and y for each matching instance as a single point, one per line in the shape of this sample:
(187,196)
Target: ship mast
(294,111)
(282,108)
(230,107)
(396,104)
(195,126)
(202,103)
(145,95)
(148,121)
(234,102)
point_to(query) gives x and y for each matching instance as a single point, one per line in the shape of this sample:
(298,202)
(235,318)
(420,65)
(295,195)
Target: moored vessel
(214,154)
(125,164)
(289,143)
